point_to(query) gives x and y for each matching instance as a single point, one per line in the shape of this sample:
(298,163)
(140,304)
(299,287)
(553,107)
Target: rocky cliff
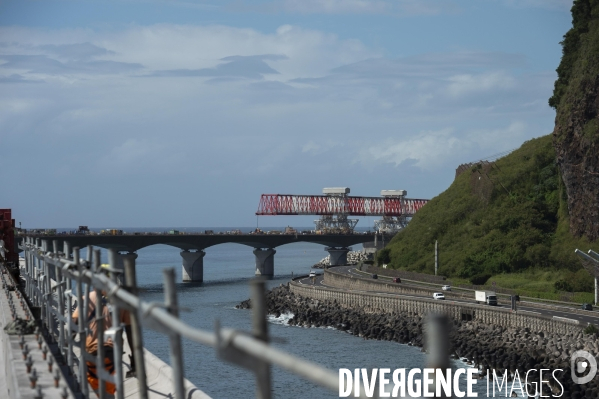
(576,133)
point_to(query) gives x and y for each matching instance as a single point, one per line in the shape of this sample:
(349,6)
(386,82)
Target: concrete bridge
(193,245)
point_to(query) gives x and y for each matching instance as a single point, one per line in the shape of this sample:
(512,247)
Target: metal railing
(55,281)
(590,262)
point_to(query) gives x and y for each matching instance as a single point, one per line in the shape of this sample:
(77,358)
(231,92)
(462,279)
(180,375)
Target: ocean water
(228,269)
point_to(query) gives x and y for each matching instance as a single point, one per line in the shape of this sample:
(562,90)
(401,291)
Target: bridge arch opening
(221,262)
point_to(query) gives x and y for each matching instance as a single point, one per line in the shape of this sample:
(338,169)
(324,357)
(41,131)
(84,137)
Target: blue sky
(181,113)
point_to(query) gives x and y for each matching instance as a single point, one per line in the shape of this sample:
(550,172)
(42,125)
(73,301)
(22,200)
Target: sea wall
(422,306)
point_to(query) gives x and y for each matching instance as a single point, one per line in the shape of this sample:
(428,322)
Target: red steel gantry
(335,206)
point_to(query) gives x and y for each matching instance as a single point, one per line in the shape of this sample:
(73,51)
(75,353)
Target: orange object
(92,376)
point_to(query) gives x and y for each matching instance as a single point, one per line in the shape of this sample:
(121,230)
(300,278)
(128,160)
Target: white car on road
(446,288)
(438,295)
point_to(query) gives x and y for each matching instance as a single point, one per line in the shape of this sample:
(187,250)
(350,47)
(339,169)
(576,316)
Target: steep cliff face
(576,134)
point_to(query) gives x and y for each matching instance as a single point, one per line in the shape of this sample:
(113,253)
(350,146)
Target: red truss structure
(285,204)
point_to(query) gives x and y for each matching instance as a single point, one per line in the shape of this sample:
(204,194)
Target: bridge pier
(193,266)
(121,259)
(338,256)
(118,258)
(265,261)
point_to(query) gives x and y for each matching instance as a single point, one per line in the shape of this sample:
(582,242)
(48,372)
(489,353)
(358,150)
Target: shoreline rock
(490,347)
(353,258)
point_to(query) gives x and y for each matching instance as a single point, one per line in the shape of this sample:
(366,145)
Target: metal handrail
(48,272)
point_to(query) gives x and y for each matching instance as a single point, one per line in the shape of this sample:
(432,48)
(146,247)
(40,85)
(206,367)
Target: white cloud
(302,53)
(311,147)
(337,6)
(468,83)
(388,7)
(491,141)
(429,150)
(426,150)
(551,4)
(322,145)
(134,156)
(130,152)
(398,8)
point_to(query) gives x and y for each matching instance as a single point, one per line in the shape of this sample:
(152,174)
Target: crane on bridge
(335,206)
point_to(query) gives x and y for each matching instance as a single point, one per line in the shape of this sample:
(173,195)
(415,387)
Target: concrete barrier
(337,279)
(428,278)
(160,381)
(370,302)
(8,379)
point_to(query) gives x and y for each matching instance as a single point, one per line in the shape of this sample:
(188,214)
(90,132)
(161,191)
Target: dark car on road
(397,280)
(375,276)
(587,306)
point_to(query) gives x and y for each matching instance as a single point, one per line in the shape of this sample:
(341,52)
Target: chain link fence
(56,280)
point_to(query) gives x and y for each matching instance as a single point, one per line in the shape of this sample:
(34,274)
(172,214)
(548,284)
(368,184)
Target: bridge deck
(132,242)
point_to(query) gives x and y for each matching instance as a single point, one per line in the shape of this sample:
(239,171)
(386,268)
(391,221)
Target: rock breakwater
(353,258)
(490,347)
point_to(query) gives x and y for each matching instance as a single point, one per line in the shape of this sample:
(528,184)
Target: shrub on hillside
(384,256)
(581,281)
(480,279)
(563,285)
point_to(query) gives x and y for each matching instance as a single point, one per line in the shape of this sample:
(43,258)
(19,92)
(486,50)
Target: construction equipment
(335,207)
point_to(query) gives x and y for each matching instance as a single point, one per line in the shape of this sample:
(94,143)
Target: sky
(139,113)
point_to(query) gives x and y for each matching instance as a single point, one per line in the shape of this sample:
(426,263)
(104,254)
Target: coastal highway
(584,317)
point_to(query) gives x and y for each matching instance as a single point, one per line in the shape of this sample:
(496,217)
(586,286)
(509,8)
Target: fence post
(27,264)
(68,254)
(82,321)
(118,336)
(138,349)
(100,326)
(69,297)
(437,341)
(172,305)
(260,330)
(48,288)
(34,273)
(61,309)
(42,286)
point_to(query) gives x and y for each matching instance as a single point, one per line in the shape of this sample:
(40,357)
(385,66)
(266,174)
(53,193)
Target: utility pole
(596,270)
(436,256)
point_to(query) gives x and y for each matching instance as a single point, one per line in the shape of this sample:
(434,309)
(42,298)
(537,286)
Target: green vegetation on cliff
(576,134)
(508,216)
(580,51)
